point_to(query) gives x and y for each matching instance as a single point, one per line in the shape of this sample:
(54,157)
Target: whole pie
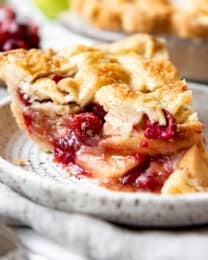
(187,19)
(118,113)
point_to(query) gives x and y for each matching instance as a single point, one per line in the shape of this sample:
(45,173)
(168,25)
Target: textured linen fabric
(99,240)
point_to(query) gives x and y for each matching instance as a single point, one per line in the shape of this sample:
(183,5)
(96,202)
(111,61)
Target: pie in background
(130,16)
(190,19)
(186,19)
(117,113)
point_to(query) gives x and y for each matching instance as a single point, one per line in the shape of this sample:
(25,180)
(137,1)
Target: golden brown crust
(191,174)
(142,44)
(96,74)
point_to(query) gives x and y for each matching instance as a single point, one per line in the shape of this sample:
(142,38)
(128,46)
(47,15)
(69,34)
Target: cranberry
(33,35)
(150,174)
(96,109)
(13,30)
(23,98)
(87,128)
(65,149)
(56,77)
(26,34)
(12,44)
(156,131)
(6,12)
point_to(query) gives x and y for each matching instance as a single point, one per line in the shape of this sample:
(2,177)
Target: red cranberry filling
(65,149)
(56,77)
(96,109)
(151,175)
(87,128)
(141,158)
(27,120)
(156,131)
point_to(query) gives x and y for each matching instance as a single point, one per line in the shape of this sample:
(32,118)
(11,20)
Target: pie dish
(186,19)
(117,113)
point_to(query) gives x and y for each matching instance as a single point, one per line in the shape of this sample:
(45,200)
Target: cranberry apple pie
(117,113)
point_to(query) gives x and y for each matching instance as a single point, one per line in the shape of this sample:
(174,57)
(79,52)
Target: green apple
(51,8)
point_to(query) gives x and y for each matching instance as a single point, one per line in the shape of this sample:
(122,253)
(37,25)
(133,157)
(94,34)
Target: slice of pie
(130,16)
(119,114)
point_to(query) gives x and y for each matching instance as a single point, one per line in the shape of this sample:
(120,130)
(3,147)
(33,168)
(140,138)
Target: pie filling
(79,144)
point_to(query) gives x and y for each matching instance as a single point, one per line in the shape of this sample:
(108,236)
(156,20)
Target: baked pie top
(124,84)
(113,110)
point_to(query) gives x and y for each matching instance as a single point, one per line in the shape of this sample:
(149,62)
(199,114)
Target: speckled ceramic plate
(3,92)
(46,183)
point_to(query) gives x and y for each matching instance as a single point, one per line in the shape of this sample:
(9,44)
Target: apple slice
(102,166)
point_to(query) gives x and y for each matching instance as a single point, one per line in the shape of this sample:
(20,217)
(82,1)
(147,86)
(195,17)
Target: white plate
(3,92)
(46,183)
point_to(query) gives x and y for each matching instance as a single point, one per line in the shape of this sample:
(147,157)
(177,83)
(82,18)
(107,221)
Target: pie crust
(117,113)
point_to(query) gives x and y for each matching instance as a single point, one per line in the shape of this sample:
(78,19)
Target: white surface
(3,92)
(42,248)
(52,34)
(99,240)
